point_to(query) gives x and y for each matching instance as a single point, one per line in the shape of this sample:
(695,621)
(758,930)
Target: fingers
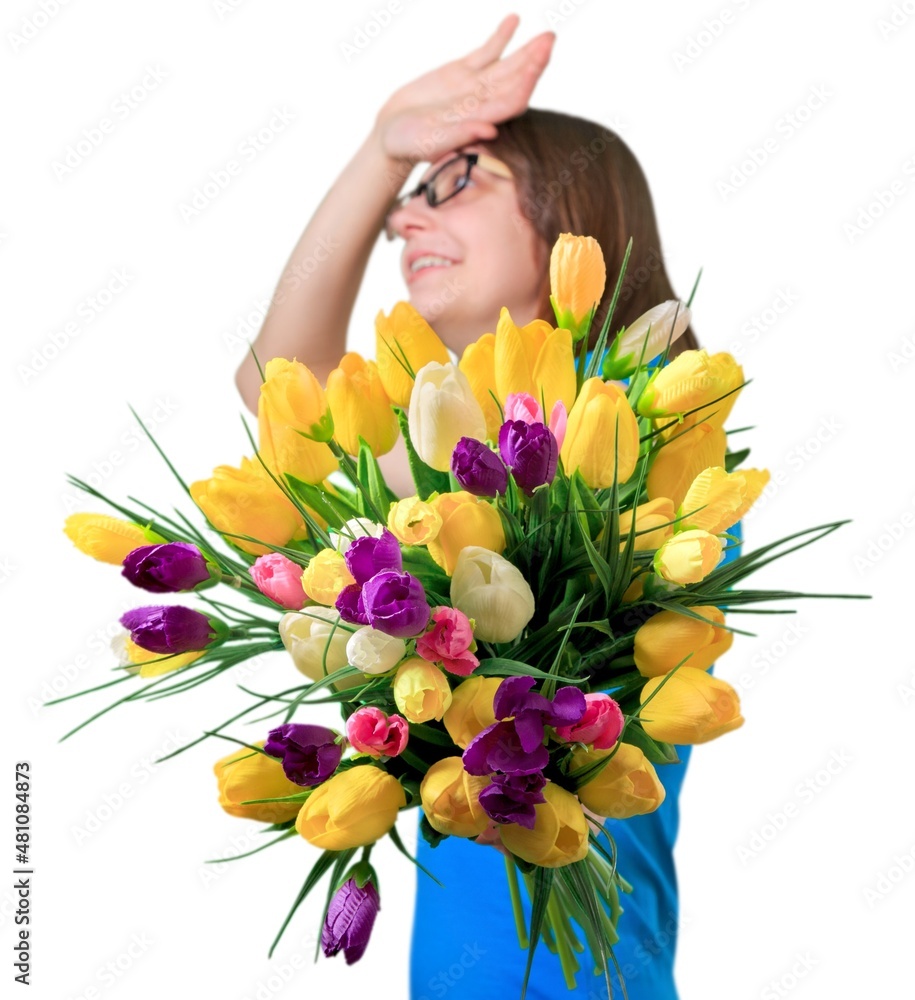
(494,46)
(532,56)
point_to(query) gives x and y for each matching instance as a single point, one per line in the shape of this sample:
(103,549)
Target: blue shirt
(465,946)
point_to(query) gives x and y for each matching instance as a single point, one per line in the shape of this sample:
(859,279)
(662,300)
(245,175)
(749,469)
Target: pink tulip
(448,642)
(600,726)
(371,731)
(523,406)
(280,579)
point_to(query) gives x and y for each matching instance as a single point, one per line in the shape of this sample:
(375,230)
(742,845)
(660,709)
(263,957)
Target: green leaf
(540,897)
(314,876)
(332,508)
(398,843)
(426,479)
(656,751)
(498,666)
(370,474)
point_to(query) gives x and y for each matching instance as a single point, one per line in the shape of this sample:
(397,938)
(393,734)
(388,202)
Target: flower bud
(667,637)
(628,784)
(280,579)
(371,731)
(421,690)
(478,469)
(471,709)
(578,276)
(688,557)
(602,432)
(244,775)
(560,833)
(360,406)
(450,799)
(325,576)
(492,591)
(166,569)
(443,409)
(465,520)
(316,642)
(413,521)
(108,539)
(292,396)
(170,628)
(309,754)
(691,707)
(646,338)
(374,651)
(404,343)
(354,808)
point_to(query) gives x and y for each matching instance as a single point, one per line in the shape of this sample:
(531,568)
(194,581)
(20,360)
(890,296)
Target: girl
(504,181)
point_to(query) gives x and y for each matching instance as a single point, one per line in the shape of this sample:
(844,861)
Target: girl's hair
(574,176)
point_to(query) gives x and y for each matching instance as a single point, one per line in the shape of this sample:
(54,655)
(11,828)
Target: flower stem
(514,892)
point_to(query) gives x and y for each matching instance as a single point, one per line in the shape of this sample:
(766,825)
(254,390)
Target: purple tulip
(310,754)
(367,556)
(169,629)
(349,920)
(351,605)
(515,745)
(166,568)
(395,603)
(478,468)
(510,798)
(530,451)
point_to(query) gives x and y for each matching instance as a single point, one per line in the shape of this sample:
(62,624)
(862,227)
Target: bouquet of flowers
(514,648)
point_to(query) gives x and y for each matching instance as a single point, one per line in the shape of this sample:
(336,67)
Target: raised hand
(463,101)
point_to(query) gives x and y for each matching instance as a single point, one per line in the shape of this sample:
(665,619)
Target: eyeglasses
(448,180)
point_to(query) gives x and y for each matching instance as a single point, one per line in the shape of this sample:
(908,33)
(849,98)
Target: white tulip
(653,329)
(443,409)
(492,591)
(374,652)
(316,640)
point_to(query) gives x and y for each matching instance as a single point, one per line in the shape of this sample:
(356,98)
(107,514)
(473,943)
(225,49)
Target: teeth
(429,261)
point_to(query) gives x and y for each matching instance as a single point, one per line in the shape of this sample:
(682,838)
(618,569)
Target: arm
(308,319)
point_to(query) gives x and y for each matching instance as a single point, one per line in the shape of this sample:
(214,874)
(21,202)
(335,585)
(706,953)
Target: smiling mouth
(428,261)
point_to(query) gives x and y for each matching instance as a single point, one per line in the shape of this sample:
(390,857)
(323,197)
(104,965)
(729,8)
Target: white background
(778,877)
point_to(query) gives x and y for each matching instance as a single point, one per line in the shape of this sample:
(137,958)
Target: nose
(411,216)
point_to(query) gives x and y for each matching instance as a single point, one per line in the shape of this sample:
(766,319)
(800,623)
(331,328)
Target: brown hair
(575,176)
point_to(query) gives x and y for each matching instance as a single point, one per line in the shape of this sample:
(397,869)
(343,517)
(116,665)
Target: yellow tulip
(627,786)
(693,379)
(718,499)
(691,707)
(404,342)
(325,576)
(677,462)
(466,520)
(652,524)
(149,664)
(667,637)
(360,406)
(471,709)
(292,396)
(283,450)
(413,521)
(247,775)
(535,359)
(450,798)
(688,557)
(105,538)
(354,808)
(421,690)
(478,363)
(560,834)
(578,276)
(601,427)
(245,501)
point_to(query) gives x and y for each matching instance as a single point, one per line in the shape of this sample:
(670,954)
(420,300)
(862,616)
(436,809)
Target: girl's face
(489,256)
